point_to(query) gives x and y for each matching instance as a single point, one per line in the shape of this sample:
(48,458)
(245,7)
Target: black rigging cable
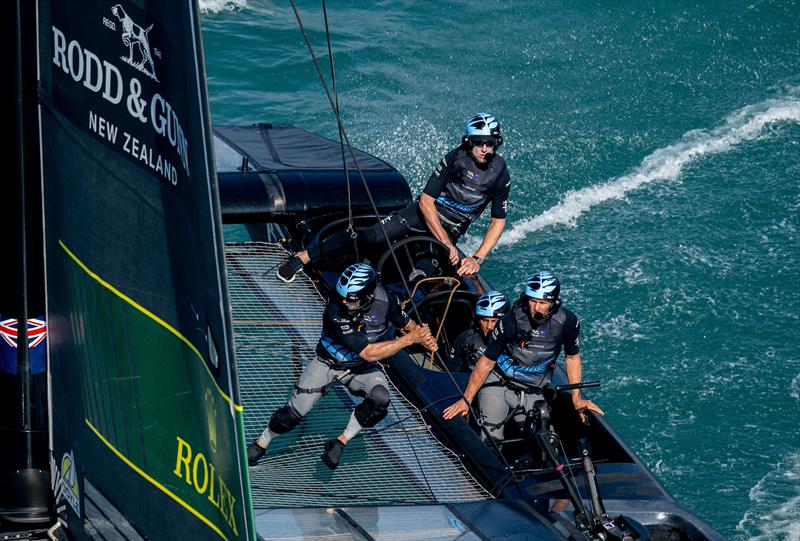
(343,134)
(350,226)
(347,142)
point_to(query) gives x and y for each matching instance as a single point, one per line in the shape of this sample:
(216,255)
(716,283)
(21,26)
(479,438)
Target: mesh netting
(276,328)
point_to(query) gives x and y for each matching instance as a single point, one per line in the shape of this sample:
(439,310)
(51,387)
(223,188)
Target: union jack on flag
(37,332)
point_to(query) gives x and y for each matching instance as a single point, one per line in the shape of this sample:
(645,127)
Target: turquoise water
(655,154)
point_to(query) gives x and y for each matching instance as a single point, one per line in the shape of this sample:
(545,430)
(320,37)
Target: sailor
(357,330)
(521,356)
(470,345)
(467,180)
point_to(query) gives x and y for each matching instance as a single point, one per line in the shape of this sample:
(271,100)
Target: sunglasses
(484,143)
(353,304)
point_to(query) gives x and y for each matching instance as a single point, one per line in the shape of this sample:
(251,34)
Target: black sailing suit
(344,335)
(467,348)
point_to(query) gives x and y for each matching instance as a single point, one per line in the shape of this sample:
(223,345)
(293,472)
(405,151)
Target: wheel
(431,310)
(337,263)
(418,257)
(459,314)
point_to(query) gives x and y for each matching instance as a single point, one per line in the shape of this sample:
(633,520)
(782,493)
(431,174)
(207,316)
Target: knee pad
(374,407)
(284,419)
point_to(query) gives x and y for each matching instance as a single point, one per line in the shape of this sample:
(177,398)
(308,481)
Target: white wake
(215,6)
(775,511)
(665,163)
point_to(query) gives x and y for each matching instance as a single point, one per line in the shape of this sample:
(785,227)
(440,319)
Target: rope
(427,406)
(444,314)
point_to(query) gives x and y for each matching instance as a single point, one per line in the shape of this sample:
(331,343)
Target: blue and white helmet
(483,125)
(543,286)
(357,282)
(492,304)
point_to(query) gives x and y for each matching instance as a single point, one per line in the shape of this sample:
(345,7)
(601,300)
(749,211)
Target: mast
(24,478)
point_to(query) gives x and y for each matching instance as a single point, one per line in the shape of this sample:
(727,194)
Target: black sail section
(146,421)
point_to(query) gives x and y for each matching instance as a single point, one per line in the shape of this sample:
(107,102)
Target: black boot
(289,269)
(254,453)
(333,452)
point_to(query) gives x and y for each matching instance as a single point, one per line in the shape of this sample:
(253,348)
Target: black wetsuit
(462,190)
(466,350)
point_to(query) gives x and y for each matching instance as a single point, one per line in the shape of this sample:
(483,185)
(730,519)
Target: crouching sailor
(356,331)
(521,357)
(470,345)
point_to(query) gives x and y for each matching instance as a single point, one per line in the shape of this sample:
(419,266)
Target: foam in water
(621,328)
(635,275)
(775,510)
(666,163)
(625,381)
(215,6)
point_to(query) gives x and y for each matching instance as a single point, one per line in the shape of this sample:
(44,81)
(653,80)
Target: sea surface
(654,149)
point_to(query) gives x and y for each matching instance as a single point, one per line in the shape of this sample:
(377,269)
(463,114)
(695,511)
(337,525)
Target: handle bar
(571,386)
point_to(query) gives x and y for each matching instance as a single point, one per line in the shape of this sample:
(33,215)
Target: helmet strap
(498,140)
(367,303)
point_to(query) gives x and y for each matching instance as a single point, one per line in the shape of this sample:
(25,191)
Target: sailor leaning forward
(357,330)
(467,180)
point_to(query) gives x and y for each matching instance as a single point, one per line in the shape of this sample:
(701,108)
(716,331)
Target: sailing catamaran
(280,183)
(160,335)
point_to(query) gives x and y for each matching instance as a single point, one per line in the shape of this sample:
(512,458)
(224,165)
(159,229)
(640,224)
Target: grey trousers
(496,401)
(318,374)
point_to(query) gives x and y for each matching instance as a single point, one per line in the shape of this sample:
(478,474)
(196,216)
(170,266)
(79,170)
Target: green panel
(150,397)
